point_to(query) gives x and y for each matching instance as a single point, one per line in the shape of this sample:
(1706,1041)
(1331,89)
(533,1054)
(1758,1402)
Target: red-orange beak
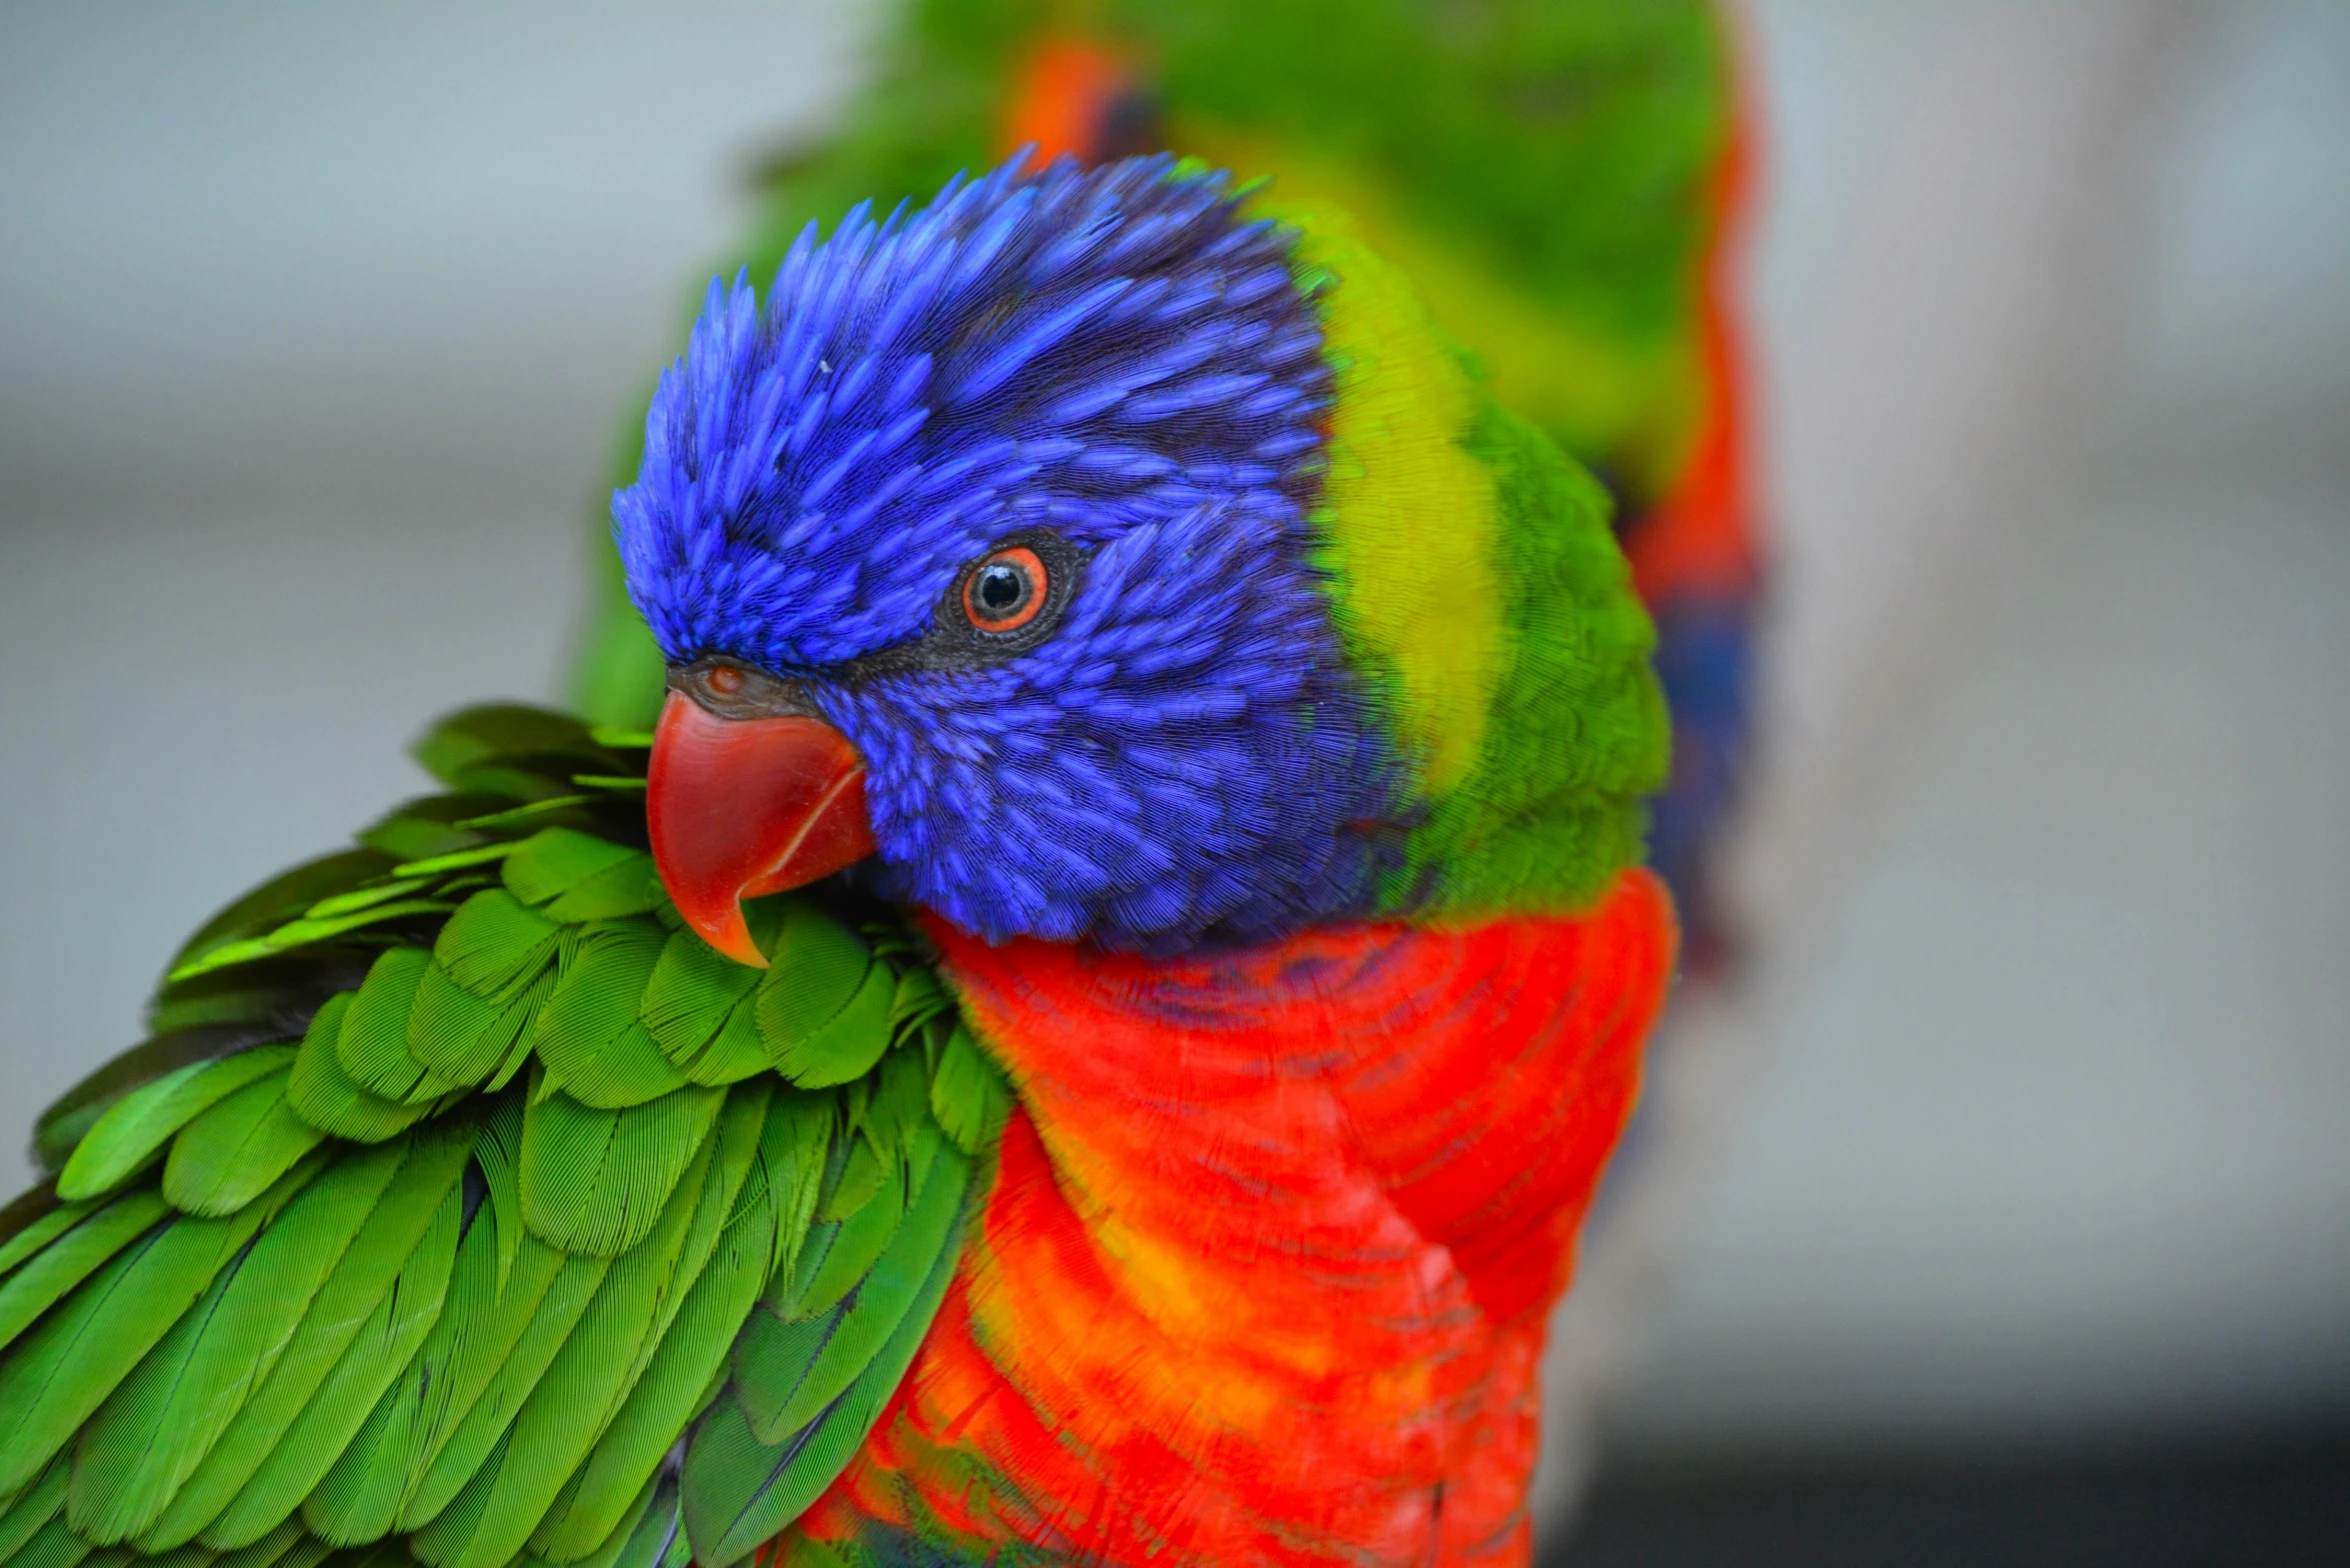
(740,808)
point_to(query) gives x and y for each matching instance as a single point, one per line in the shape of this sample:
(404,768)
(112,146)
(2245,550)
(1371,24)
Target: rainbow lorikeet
(1560,179)
(1085,1033)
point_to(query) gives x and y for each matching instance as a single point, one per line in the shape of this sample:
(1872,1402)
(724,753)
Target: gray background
(316,325)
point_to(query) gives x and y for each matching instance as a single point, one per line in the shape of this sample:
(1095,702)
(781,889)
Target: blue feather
(1115,354)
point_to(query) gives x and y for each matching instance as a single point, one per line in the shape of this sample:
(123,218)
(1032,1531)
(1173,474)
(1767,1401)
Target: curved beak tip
(740,808)
(731,935)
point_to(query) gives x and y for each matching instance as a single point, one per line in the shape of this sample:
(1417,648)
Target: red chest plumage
(1264,1273)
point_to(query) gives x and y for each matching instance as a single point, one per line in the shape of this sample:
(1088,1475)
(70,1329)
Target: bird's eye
(1004,592)
(724,679)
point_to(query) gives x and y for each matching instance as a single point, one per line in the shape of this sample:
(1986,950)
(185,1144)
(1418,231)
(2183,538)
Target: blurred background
(2019,1229)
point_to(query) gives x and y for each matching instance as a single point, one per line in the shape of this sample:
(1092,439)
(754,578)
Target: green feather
(547,778)
(588,1034)
(238,1016)
(454,1034)
(284,1546)
(692,993)
(157,1427)
(33,1210)
(728,1255)
(281,898)
(427,826)
(308,1551)
(185,1557)
(684,1376)
(736,1052)
(403,881)
(967,1094)
(632,1514)
(859,1179)
(33,1221)
(304,933)
(372,1045)
(66,1366)
(33,1508)
(575,876)
(403,1315)
(921,996)
(343,1343)
(890,1104)
(376,1554)
(228,1156)
(120,1482)
(493,946)
(415,1178)
(570,1406)
(552,861)
(322,1094)
(795,1151)
(555,811)
(54,1546)
(78,1252)
(839,1251)
(627,1070)
(631,887)
(842,1047)
(734,1161)
(1578,732)
(253,1001)
(538,1312)
(596,1180)
(137,1127)
(816,969)
(360,1497)
(496,1154)
(453,1522)
(455,860)
(739,1492)
(507,1493)
(825,1354)
(462,740)
(659,1540)
(541,1296)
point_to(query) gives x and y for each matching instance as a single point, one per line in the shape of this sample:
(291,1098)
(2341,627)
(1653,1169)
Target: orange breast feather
(1263,1275)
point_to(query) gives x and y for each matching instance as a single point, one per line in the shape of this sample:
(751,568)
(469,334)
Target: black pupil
(1002,589)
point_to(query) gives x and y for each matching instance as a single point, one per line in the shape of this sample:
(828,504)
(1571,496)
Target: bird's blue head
(982,545)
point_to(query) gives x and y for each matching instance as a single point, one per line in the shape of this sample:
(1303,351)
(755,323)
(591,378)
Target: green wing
(465,1207)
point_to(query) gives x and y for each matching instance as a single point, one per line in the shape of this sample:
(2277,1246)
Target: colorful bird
(1084,1035)
(1561,180)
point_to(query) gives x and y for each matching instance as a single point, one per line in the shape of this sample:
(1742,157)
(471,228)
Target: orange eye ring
(725,680)
(1006,591)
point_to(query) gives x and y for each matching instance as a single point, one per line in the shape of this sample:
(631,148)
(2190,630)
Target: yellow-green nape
(1408,514)
(1478,584)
